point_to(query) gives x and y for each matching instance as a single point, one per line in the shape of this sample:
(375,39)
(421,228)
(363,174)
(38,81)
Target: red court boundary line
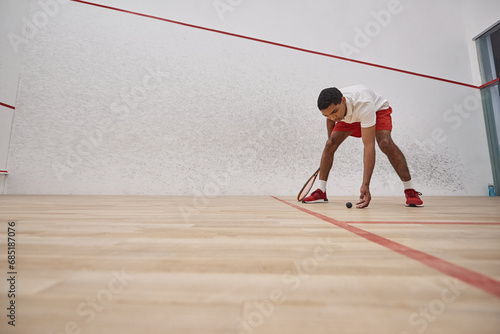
(287,46)
(473,278)
(421,223)
(6,105)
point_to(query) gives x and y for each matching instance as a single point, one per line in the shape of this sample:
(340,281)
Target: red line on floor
(421,223)
(285,46)
(473,278)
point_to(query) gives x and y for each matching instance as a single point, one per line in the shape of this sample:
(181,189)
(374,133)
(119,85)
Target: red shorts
(383,122)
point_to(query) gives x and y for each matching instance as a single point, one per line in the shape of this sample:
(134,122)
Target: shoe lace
(317,191)
(414,193)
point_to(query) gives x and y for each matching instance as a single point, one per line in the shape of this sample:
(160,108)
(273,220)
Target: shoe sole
(415,205)
(317,201)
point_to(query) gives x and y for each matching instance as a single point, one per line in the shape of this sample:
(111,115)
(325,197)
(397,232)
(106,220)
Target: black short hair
(329,96)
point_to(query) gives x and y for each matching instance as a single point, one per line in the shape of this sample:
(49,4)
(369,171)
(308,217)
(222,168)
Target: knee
(386,145)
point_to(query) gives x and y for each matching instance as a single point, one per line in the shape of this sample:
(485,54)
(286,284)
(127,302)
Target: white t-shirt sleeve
(367,114)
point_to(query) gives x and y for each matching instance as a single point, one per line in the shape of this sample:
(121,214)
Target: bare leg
(396,157)
(336,138)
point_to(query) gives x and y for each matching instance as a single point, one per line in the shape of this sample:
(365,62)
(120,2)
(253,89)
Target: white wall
(11,13)
(477,18)
(112,103)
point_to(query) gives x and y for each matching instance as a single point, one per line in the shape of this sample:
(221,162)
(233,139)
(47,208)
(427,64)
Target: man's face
(335,112)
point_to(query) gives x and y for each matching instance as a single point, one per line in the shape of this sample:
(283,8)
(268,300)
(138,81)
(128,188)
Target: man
(360,112)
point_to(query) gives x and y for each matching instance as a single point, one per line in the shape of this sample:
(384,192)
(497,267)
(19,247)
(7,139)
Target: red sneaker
(412,198)
(316,197)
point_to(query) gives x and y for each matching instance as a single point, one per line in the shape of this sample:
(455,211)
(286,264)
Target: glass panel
(489,59)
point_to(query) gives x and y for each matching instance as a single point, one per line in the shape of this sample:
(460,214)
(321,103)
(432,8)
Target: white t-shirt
(362,105)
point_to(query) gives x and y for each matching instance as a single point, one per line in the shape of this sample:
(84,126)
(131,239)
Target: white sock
(322,185)
(408,184)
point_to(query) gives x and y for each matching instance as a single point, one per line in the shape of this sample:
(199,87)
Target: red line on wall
(285,46)
(473,278)
(488,83)
(6,105)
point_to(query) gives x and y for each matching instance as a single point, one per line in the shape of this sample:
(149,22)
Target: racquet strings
(307,187)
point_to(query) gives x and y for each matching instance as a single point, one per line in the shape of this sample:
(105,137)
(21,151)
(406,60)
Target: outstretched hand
(364,198)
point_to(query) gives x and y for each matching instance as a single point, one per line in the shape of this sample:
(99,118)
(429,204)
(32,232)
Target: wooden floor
(97,264)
